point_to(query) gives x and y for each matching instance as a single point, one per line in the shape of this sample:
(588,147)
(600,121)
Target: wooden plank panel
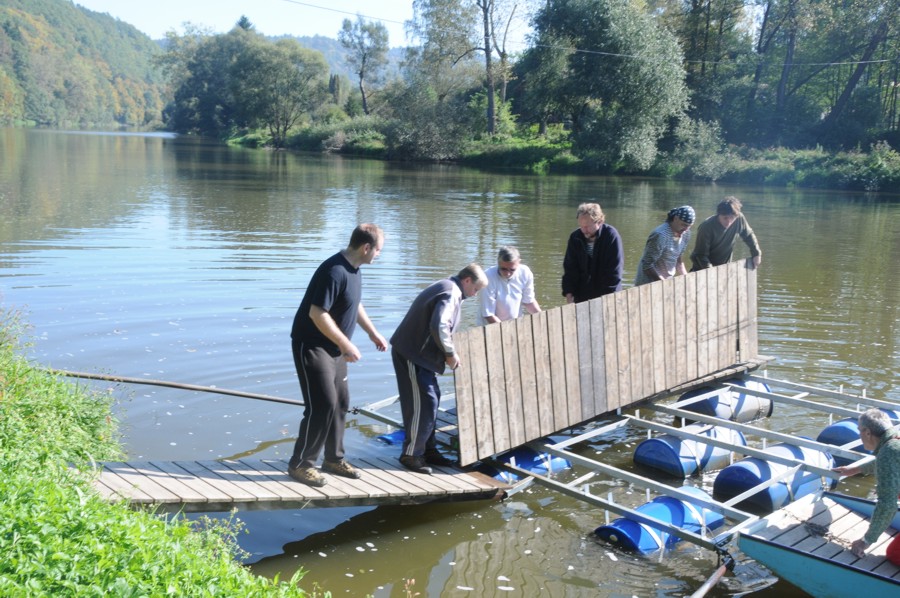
(481,394)
(670,340)
(660,347)
(702,301)
(623,348)
(610,349)
(743,321)
(690,326)
(238,492)
(586,363)
(557,347)
(465,400)
(515,411)
(752,315)
(129,474)
(727,310)
(542,374)
(712,314)
(635,351)
(496,387)
(676,326)
(573,363)
(527,374)
(645,318)
(598,357)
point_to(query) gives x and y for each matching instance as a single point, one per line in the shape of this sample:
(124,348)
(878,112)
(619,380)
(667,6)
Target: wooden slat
(572,363)
(672,317)
(610,340)
(530,397)
(701,301)
(548,423)
(598,358)
(635,353)
(514,399)
(727,318)
(712,318)
(689,341)
(465,401)
(647,355)
(557,348)
(481,398)
(658,346)
(743,320)
(497,388)
(623,348)
(753,330)
(585,356)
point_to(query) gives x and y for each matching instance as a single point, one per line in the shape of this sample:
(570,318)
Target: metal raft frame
(819,401)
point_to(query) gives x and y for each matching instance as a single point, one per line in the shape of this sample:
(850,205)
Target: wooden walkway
(192,486)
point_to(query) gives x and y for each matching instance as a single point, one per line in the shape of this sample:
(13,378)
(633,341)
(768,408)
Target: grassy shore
(57,538)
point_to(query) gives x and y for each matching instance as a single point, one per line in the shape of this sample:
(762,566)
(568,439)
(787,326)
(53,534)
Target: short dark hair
(366,233)
(730,206)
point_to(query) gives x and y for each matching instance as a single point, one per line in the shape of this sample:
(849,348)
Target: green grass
(58,538)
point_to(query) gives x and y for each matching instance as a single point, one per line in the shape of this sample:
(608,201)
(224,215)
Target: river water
(175,259)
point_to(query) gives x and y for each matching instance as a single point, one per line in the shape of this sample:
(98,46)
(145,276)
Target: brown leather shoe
(341,468)
(307,475)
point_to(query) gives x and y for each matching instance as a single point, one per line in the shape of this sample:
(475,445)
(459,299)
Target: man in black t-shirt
(320,341)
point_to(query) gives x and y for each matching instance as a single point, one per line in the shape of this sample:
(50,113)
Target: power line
(344,12)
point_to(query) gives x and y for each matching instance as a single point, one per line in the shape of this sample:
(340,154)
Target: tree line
(622,85)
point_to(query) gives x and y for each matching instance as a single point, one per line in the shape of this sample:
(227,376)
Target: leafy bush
(58,538)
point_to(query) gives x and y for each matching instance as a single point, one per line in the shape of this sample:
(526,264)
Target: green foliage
(58,538)
(625,83)
(62,65)
(363,135)
(699,152)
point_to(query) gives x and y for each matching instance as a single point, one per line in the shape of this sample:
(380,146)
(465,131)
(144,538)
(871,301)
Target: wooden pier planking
(617,350)
(204,486)
(842,526)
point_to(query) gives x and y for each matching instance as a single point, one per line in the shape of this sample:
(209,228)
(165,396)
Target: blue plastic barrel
(681,457)
(631,535)
(847,430)
(752,471)
(729,404)
(840,433)
(528,459)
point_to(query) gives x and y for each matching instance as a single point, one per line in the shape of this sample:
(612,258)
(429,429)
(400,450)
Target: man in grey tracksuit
(421,348)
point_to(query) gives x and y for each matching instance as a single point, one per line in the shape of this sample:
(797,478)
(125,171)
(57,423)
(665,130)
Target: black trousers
(420,396)
(323,382)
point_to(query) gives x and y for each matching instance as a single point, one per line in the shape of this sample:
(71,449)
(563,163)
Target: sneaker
(433,457)
(307,475)
(341,468)
(416,464)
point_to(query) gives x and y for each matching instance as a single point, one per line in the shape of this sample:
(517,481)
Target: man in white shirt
(510,289)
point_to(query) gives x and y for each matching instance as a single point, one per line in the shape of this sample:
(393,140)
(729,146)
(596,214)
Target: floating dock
(192,486)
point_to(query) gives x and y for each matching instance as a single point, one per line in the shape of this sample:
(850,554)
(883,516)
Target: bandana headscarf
(686,213)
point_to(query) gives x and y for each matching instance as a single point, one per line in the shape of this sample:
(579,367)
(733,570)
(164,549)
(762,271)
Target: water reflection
(179,259)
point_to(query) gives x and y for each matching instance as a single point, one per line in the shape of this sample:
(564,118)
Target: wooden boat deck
(826,529)
(192,486)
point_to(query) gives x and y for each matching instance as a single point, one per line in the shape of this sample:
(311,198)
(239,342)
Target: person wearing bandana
(665,246)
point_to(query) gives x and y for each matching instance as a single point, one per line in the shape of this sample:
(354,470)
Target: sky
(270,17)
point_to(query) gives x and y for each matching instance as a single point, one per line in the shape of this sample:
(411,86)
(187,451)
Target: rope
(180,385)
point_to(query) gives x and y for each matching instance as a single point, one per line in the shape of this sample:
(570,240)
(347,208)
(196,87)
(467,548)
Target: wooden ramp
(192,486)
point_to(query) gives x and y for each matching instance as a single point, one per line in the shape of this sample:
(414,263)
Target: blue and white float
(753,471)
(640,537)
(681,457)
(846,431)
(726,403)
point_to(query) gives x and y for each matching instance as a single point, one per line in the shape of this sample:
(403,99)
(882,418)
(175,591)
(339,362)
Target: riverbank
(695,155)
(58,538)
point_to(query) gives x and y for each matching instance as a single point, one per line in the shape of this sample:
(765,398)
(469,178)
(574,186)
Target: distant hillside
(63,65)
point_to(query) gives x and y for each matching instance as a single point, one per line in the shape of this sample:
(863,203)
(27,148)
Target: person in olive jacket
(594,259)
